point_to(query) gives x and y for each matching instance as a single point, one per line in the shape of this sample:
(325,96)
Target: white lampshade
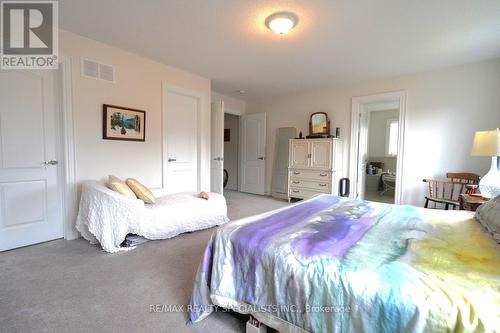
(486,143)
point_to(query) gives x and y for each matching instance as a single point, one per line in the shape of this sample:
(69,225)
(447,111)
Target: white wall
(377,138)
(232,123)
(444,109)
(231,104)
(138,85)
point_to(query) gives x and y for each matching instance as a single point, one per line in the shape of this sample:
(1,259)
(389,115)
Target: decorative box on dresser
(315,166)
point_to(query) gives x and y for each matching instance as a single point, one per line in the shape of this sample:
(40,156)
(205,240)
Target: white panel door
(30,196)
(181,112)
(321,154)
(253,150)
(217,147)
(299,152)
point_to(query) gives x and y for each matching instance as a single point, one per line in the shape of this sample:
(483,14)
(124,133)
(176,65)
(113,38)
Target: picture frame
(121,123)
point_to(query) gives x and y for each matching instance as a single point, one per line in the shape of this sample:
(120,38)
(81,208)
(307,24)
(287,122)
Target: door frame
(66,147)
(359,106)
(221,133)
(166,88)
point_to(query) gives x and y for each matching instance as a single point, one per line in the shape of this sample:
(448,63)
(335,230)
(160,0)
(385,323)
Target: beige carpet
(373,195)
(72,286)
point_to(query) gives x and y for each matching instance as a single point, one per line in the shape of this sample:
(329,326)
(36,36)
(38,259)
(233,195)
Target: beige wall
(444,109)
(138,83)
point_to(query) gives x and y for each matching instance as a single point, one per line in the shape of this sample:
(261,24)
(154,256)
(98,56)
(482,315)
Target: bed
(331,264)
(107,217)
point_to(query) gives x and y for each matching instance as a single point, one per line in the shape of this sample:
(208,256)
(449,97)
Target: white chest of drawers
(315,166)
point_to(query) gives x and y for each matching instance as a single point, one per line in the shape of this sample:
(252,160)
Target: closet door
(299,153)
(30,191)
(181,112)
(321,154)
(253,153)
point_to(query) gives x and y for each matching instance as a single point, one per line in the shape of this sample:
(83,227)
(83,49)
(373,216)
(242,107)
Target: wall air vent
(93,69)
(90,68)
(107,72)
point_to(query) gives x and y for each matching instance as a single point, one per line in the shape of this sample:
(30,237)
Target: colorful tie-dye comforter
(334,265)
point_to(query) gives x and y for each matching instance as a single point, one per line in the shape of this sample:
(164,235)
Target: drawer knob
(295,191)
(322,185)
(296,182)
(323,174)
(296,173)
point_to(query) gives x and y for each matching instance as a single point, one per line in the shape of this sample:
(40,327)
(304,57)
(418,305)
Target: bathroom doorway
(383,127)
(377,147)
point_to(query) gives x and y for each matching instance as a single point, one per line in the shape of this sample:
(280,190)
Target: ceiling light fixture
(282,22)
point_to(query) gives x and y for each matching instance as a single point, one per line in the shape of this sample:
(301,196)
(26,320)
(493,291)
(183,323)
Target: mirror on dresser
(319,125)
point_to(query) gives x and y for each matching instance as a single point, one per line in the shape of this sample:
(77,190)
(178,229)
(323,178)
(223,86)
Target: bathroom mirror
(319,125)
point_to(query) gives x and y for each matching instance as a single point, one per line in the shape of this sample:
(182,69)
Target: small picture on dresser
(120,123)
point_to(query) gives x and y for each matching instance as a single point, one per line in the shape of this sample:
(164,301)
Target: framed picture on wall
(120,123)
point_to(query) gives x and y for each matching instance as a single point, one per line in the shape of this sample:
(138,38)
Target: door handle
(172,160)
(51,162)
(261,158)
(219,159)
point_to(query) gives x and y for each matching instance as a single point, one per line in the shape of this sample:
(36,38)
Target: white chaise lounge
(106,217)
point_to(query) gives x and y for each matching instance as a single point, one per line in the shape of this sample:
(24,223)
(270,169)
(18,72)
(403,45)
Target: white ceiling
(336,41)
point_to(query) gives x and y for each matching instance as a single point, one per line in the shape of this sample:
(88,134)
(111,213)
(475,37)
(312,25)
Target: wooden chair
(466,178)
(447,191)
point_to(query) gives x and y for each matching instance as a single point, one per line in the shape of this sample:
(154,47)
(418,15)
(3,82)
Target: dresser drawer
(302,193)
(310,184)
(311,174)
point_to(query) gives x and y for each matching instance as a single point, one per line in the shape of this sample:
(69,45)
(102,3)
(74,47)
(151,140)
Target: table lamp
(487,143)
